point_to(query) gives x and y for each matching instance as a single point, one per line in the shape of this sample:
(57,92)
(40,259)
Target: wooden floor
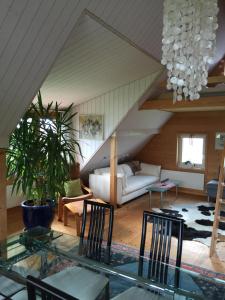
(127,230)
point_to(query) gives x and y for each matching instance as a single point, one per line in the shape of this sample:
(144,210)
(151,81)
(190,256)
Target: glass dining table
(43,252)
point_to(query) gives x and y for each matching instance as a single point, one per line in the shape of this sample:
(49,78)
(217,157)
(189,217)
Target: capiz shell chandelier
(188,45)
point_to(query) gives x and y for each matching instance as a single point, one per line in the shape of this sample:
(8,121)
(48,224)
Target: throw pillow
(134,165)
(73,188)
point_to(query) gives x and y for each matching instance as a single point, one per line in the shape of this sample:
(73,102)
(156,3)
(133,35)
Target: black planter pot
(34,215)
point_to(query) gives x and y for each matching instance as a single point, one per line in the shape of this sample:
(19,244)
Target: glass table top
(43,253)
(163,186)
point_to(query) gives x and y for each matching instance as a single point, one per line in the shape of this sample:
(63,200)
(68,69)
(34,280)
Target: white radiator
(187,179)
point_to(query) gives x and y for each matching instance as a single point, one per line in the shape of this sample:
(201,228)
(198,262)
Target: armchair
(64,200)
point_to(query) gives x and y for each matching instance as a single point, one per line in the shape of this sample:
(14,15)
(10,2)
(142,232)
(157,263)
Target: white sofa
(129,186)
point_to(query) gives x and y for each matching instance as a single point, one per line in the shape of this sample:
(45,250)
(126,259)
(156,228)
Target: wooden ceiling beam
(204,103)
(216,79)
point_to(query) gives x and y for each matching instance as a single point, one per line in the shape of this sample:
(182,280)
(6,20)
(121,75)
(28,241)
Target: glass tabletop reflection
(43,253)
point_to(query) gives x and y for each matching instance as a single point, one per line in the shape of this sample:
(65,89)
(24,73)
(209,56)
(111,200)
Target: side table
(162,187)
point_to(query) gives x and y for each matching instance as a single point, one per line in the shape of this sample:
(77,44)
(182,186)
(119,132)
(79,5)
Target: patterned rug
(198,220)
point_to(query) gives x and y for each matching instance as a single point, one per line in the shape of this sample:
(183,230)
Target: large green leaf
(41,152)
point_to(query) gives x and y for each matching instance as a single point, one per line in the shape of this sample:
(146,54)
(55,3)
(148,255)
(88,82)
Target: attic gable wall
(114,106)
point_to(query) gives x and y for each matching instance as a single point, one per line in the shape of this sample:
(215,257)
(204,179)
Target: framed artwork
(219,140)
(91,127)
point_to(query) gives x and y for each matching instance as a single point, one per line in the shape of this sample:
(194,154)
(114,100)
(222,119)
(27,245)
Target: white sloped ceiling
(94,61)
(33,32)
(31,35)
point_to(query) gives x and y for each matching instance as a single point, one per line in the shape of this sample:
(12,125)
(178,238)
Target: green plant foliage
(42,149)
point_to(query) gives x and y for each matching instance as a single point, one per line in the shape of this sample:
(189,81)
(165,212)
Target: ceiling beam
(216,79)
(137,132)
(204,103)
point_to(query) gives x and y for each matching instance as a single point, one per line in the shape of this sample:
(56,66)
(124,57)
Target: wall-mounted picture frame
(219,140)
(91,127)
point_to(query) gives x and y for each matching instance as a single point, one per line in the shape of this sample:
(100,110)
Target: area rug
(198,220)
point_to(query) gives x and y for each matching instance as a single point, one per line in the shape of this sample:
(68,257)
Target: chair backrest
(47,292)
(163,227)
(93,246)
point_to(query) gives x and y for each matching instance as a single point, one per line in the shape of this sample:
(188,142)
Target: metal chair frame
(46,291)
(93,248)
(159,254)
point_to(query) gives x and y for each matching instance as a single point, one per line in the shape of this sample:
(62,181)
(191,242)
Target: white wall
(135,130)
(113,105)
(187,179)
(13,199)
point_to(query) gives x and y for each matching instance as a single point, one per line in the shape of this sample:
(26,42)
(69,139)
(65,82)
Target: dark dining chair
(91,246)
(40,290)
(79,281)
(153,262)
(163,228)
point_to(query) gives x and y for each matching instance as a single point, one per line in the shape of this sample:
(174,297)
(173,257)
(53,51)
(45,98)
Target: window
(191,151)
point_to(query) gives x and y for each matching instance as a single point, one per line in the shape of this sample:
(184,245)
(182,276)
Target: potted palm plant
(41,151)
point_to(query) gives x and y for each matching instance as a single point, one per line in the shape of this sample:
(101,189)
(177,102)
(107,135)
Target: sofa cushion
(102,171)
(107,170)
(148,169)
(127,170)
(137,182)
(134,165)
(120,170)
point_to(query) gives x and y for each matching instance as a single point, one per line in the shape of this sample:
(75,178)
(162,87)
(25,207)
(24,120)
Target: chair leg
(78,220)
(65,215)
(107,292)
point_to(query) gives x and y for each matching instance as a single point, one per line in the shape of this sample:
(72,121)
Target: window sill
(191,170)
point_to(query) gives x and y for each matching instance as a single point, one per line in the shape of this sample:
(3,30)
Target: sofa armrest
(149,169)
(100,186)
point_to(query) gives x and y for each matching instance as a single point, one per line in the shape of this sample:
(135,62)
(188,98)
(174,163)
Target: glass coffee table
(162,188)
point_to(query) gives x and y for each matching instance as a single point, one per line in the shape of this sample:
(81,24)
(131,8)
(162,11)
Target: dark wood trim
(210,102)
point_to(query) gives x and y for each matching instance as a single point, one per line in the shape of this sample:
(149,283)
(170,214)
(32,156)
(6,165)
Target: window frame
(201,167)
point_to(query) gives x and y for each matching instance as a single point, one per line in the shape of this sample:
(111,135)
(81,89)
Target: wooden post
(219,201)
(3,210)
(113,170)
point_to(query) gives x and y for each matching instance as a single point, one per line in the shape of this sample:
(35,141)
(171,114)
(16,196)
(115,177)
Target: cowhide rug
(198,220)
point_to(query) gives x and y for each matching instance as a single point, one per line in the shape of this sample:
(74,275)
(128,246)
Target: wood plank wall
(162,148)
(113,105)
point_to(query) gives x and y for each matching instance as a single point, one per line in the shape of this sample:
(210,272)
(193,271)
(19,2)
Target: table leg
(176,191)
(150,199)
(44,264)
(161,199)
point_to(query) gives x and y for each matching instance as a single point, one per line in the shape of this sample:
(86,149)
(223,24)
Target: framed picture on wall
(91,127)
(219,140)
